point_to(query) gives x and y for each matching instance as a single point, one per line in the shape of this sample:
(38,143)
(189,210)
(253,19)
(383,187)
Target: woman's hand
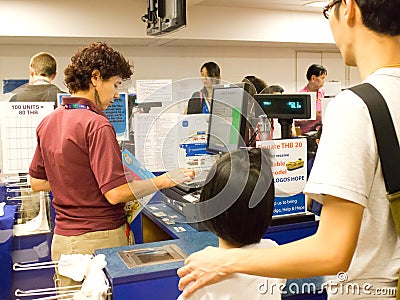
(177,176)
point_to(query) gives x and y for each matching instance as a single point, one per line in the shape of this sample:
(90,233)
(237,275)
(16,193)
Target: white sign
(18,133)
(154,90)
(158,136)
(290,174)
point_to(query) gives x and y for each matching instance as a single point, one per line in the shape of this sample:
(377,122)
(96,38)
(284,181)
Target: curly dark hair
(97,56)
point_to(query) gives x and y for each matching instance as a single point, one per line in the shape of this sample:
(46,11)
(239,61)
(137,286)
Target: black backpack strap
(385,134)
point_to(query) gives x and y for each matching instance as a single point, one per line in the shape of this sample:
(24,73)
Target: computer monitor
(227,124)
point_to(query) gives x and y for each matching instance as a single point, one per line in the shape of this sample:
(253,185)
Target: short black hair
(273,89)
(258,83)
(43,64)
(381,16)
(316,70)
(251,88)
(246,220)
(213,69)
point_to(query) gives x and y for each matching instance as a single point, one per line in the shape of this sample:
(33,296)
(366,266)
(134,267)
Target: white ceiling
(294,5)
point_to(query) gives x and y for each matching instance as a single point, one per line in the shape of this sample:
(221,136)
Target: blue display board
(117,114)
(11,84)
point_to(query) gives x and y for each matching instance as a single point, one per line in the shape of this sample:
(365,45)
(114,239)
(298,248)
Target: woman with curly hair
(79,160)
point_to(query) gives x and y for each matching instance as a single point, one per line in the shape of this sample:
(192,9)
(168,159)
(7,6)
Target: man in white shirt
(42,72)
(356,238)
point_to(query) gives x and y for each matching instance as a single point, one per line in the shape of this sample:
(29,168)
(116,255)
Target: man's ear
(349,7)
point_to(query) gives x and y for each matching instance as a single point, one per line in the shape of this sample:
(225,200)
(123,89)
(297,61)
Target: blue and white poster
(290,174)
(117,114)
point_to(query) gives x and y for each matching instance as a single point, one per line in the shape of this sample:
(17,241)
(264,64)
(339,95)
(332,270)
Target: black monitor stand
(286,125)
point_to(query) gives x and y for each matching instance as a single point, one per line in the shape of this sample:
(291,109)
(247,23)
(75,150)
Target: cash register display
(227,124)
(285,106)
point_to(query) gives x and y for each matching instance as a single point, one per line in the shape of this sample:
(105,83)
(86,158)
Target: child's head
(247,219)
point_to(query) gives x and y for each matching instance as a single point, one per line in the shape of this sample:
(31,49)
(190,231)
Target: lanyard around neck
(76,106)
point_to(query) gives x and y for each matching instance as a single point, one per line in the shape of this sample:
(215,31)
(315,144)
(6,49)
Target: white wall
(242,41)
(275,65)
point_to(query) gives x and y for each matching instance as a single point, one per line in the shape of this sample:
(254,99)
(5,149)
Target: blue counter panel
(119,273)
(159,288)
(161,281)
(284,234)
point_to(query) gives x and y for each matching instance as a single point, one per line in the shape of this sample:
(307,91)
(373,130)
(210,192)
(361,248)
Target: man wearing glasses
(356,232)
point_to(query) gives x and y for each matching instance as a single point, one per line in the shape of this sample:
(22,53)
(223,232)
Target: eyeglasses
(327,8)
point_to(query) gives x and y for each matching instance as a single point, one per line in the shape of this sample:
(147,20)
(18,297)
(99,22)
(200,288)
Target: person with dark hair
(273,89)
(258,83)
(356,237)
(78,158)
(315,75)
(275,126)
(42,71)
(242,225)
(200,102)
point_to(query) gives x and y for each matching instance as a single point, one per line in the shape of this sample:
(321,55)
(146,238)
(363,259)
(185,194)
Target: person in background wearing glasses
(356,232)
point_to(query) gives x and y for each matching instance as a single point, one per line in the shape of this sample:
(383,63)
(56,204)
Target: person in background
(273,89)
(356,237)
(42,72)
(315,75)
(241,225)
(258,83)
(78,158)
(200,102)
(275,126)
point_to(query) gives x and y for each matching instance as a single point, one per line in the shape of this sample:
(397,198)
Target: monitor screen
(227,124)
(285,106)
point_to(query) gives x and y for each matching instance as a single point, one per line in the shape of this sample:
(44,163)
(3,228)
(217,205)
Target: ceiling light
(317,4)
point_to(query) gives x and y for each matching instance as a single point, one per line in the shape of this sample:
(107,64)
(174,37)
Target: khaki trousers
(85,244)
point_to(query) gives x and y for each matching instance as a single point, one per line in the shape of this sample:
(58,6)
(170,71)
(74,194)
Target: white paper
(18,133)
(157,138)
(156,141)
(332,88)
(154,90)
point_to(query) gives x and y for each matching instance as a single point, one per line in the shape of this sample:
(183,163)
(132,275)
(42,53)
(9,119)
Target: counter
(161,282)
